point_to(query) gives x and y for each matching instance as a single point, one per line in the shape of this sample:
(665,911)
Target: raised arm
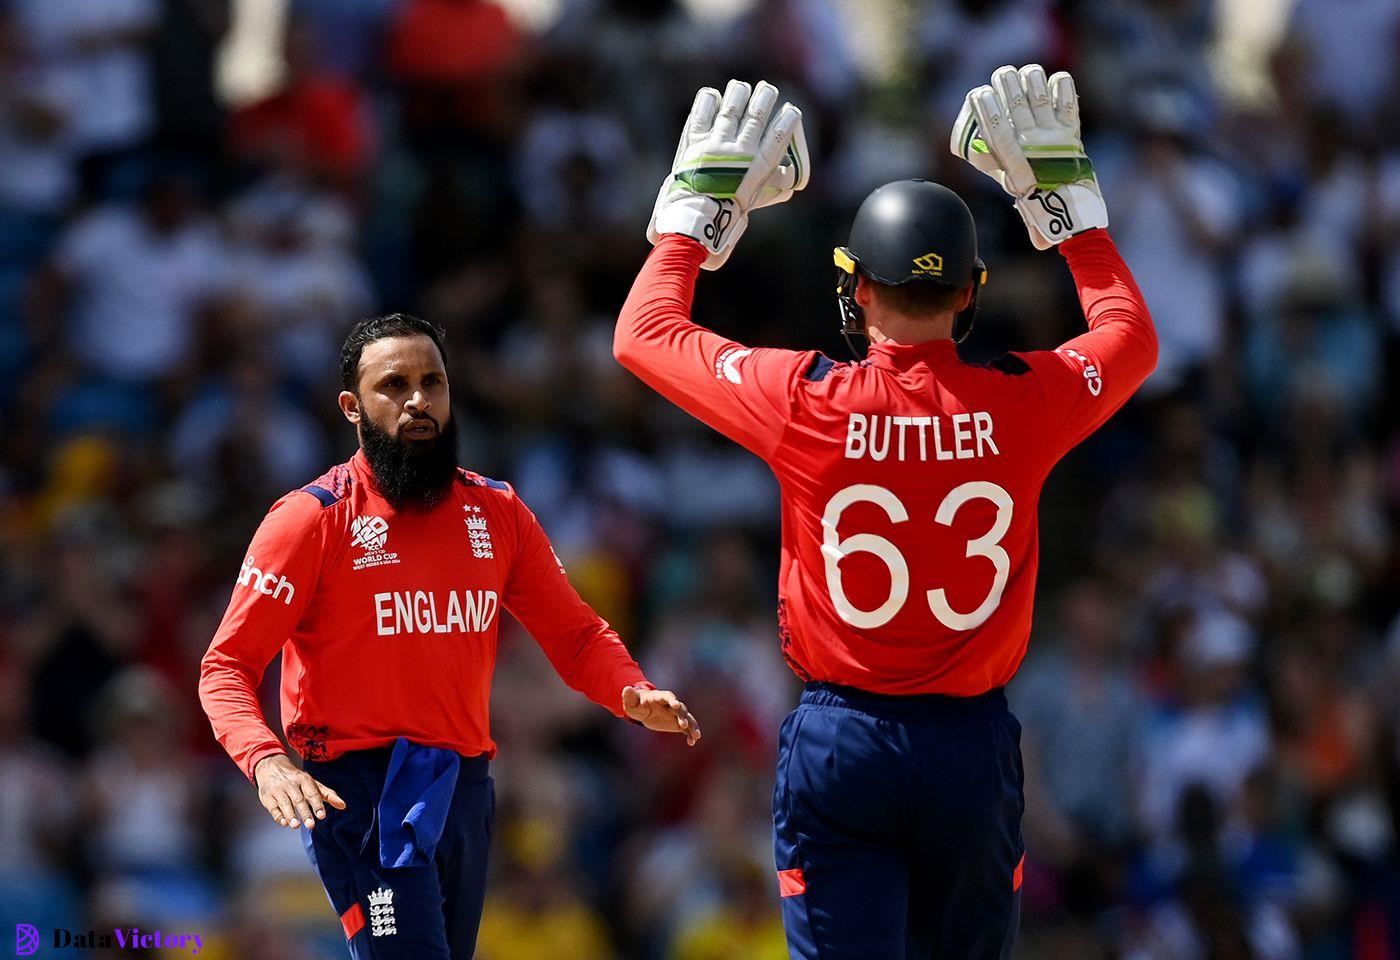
(731,160)
(1087,379)
(743,392)
(1022,130)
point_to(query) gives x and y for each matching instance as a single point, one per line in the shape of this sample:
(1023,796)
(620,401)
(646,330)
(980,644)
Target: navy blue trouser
(897,826)
(428,912)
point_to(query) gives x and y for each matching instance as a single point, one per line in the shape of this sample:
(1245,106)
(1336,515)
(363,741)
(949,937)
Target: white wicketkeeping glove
(1023,132)
(730,160)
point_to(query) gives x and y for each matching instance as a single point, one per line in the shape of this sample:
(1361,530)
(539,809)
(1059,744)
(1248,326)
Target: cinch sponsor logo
(1092,379)
(268,584)
(121,938)
(421,612)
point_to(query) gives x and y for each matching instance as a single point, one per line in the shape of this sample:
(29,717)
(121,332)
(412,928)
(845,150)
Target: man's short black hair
(370,329)
(918,298)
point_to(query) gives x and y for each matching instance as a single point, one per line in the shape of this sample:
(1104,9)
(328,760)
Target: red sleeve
(1087,379)
(273,587)
(584,649)
(744,393)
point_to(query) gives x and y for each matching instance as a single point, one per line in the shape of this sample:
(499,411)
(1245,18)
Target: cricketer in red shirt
(909,484)
(387,620)
(383,583)
(387,617)
(909,480)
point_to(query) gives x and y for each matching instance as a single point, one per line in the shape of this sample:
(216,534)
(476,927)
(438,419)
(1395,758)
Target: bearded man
(381,584)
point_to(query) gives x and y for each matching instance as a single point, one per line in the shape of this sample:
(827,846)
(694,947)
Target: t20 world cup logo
(369,533)
(26,940)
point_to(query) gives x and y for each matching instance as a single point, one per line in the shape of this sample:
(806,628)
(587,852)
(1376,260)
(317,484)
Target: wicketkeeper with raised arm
(910,482)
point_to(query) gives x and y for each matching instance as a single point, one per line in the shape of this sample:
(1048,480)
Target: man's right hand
(292,795)
(730,160)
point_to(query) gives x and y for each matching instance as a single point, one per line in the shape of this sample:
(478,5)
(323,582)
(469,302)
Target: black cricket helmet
(910,231)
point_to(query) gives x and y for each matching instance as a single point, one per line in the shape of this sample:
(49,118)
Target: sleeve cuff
(1089,238)
(258,756)
(684,242)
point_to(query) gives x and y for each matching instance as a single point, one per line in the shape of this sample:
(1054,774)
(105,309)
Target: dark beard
(411,474)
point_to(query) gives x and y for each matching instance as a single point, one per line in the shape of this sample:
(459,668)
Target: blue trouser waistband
(921,706)
(416,785)
(374,763)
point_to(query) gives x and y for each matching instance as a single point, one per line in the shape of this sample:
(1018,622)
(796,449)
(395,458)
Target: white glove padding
(730,160)
(1023,132)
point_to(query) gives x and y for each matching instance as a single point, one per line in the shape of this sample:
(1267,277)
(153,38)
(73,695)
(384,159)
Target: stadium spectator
(98,48)
(1177,211)
(136,278)
(318,125)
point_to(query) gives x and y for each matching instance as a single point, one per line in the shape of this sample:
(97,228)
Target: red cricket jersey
(387,620)
(910,480)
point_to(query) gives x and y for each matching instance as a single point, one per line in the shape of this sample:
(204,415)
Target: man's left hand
(1022,130)
(660,710)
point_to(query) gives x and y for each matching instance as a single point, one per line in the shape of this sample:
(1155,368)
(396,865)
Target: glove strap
(716,224)
(1053,216)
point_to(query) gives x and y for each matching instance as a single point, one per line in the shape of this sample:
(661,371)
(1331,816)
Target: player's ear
(964,300)
(864,292)
(350,406)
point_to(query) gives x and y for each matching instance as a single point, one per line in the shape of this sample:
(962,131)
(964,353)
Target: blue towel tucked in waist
(413,806)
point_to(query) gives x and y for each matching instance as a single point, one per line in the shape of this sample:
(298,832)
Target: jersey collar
(363,473)
(360,468)
(902,356)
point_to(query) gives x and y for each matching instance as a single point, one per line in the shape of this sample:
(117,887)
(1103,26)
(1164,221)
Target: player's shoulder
(1012,380)
(480,493)
(820,367)
(330,488)
(471,478)
(1014,364)
(823,369)
(815,372)
(294,514)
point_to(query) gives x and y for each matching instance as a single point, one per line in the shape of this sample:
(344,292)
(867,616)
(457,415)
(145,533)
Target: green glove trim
(705,158)
(718,182)
(1053,172)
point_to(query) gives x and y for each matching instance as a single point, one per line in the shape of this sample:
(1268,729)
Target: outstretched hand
(292,795)
(659,710)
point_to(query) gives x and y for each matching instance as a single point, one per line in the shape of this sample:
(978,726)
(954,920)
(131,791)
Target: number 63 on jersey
(836,548)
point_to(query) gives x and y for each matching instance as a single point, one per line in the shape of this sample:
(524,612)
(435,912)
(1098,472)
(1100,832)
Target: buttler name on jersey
(962,436)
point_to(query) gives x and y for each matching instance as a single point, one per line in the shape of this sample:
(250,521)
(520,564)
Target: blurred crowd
(1212,731)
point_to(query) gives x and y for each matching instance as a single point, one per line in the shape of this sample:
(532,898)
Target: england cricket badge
(381,913)
(478,532)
